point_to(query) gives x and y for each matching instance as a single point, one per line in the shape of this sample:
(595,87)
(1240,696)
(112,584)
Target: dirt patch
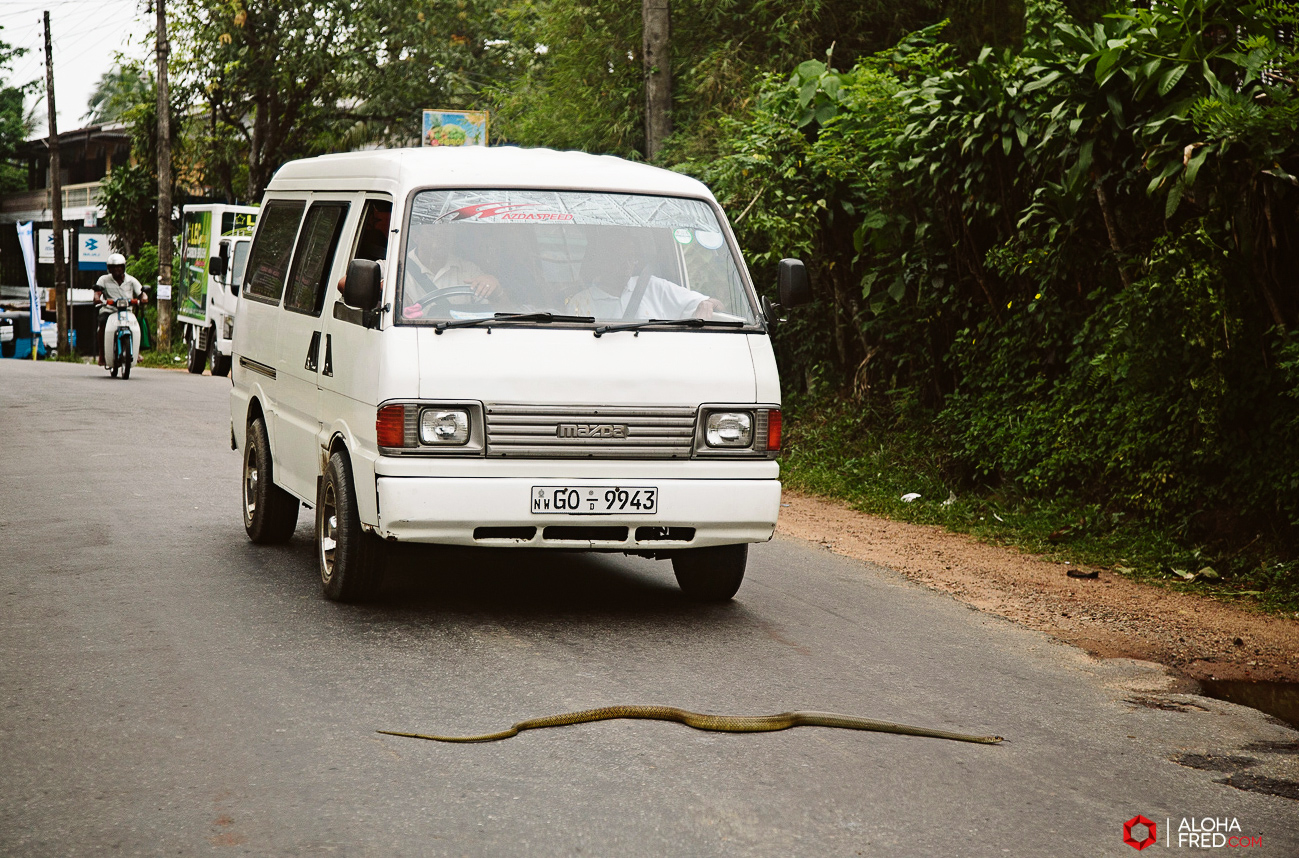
(1109,615)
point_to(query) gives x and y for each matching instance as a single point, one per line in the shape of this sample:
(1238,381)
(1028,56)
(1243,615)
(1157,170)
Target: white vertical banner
(29,258)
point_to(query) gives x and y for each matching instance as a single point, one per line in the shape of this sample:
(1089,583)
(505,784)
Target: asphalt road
(169,688)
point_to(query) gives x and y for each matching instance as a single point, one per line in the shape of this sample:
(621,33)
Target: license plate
(595,500)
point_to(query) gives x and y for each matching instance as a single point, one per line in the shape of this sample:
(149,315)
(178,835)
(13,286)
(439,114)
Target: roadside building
(87,155)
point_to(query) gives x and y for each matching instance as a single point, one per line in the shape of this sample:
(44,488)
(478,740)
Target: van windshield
(615,257)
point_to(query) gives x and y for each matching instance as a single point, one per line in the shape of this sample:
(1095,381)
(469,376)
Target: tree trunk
(1112,232)
(656,53)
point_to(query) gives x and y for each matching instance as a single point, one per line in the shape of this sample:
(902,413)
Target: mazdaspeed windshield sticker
(501,205)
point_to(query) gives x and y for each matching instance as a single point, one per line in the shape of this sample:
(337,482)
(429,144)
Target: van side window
(311,263)
(372,237)
(268,261)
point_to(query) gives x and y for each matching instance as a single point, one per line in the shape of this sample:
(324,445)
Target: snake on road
(719,723)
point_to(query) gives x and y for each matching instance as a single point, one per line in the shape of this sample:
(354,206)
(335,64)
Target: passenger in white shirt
(612,281)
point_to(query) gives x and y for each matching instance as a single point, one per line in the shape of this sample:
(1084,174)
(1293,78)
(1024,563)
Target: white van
(510,348)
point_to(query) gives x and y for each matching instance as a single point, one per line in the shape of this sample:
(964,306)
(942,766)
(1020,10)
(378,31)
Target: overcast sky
(87,35)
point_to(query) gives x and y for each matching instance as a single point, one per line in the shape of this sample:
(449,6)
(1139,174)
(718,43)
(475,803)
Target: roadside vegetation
(1052,243)
(1053,280)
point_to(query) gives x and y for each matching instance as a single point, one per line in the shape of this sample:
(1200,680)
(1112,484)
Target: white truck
(206,277)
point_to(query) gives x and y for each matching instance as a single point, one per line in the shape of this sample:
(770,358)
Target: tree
(117,91)
(584,83)
(129,193)
(280,80)
(15,125)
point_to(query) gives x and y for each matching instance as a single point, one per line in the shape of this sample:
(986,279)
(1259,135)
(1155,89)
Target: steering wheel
(442,294)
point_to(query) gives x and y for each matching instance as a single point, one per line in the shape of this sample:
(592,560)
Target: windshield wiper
(509,317)
(654,323)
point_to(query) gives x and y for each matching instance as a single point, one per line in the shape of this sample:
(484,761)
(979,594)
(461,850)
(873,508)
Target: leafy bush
(143,266)
(1070,259)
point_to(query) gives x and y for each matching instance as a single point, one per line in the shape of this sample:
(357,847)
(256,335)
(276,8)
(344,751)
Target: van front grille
(589,432)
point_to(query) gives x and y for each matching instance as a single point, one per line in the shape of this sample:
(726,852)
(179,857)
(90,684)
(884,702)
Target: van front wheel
(711,574)
(351,560)
(270,513)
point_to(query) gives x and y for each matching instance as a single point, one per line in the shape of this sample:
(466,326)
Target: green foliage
(143,266)
(275,80)
(856,453)
(14,123)
(1072,259)
(117,92)
(580,85)
(129,195)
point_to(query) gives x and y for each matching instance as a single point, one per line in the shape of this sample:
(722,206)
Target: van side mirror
(363,287)
(216,266)
(792,284)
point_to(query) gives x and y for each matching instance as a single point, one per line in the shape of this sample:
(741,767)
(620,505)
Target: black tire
(126,367)
(351,560)
(197,358)
(112,372)
(270,513)
(711,574)
(220,364)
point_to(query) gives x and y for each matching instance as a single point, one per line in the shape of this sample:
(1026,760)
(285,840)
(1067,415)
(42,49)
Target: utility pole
(56,205)
(656,33)
(164,186)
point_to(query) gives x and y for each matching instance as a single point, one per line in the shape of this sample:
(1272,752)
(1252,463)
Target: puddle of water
(1278,699)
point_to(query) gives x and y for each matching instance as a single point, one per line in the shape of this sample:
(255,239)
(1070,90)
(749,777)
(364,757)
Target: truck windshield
(616,257)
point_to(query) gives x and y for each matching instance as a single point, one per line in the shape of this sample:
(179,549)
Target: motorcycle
(121,339)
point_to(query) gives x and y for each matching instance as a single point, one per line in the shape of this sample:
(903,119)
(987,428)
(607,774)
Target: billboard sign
(454,128)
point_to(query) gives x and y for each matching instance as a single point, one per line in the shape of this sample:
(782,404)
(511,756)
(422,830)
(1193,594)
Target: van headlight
(728,429)
(440,427)
(430,429)
(738,430)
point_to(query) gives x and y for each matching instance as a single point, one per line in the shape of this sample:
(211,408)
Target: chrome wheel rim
(328,532)
(251,477)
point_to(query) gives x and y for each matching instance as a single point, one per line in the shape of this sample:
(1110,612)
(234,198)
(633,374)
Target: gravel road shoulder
(1109,616)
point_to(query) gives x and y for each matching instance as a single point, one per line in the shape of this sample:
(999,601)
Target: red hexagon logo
(1132,841)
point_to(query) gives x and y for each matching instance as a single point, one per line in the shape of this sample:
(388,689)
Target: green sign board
(189,269)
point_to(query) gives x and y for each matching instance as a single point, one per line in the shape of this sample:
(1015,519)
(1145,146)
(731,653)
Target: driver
(433,264)
(113,285)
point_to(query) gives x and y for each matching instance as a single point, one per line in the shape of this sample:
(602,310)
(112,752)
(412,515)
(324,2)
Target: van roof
(479,166)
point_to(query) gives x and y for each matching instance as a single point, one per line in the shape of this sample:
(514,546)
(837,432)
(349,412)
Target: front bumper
(497,511)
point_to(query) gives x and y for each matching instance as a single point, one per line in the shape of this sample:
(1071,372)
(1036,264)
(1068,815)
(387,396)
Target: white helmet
(116,259)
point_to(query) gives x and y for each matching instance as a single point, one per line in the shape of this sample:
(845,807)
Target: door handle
(312,351)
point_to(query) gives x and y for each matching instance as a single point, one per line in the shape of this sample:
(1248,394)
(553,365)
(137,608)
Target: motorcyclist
(113,285)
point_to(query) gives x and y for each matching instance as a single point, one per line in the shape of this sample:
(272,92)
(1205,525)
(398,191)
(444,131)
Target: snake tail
(715,723)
